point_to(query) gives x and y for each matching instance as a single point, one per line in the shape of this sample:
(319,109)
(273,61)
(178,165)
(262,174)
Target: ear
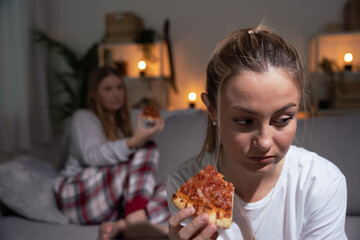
(210,109)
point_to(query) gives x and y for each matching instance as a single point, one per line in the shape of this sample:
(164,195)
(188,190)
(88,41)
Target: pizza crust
(220,221)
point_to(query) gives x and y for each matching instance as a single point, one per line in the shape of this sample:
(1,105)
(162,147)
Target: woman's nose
(263,139)
(116,93)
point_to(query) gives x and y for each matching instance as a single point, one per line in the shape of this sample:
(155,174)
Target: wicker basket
(123,27)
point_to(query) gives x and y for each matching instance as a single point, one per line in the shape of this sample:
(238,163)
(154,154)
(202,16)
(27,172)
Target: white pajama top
(308,202)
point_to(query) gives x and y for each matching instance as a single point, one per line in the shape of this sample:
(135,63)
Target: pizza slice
(150,115)
(208,193)
(151,112)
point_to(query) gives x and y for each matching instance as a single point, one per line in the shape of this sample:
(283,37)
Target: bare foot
(110,230)
(145,230)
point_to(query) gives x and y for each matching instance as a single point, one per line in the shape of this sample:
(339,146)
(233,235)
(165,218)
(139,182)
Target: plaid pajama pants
(108,193)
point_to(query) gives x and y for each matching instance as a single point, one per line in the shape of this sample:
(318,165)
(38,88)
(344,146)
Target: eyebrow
(240,108)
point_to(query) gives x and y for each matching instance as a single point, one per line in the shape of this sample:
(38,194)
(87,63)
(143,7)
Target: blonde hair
(250,49)
(122,116)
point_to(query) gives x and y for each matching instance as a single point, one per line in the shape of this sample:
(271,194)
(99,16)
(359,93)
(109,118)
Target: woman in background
(255,83)
(109,178)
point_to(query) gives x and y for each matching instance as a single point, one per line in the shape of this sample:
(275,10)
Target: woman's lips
(116,102)
(261,159)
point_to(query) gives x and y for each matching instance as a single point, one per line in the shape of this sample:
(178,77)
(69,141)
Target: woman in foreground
(255,84)
(109,178)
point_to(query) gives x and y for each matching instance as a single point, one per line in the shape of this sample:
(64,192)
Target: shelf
(338,76)
(131,53)
(154,86)
(347,94)
(341,91)
(333,46)
(336,112)
(341,33)
(152,89)
(117,44)
(146,78)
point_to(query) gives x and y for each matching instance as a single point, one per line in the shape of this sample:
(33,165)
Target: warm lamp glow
(142,65)
(192,96)
(348,57)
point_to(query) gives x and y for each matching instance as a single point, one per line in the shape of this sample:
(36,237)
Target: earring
(214,122)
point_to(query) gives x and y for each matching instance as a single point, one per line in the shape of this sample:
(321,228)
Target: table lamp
(192,98)
(142,67)
(348,60)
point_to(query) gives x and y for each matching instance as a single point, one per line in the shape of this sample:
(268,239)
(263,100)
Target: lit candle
(192,98)
(142,67)
(348,60)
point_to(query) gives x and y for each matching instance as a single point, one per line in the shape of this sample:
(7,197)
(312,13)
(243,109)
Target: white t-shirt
(89,145)
(308,202)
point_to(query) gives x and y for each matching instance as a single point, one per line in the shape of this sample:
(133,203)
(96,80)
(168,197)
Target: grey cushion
(352,227)
(182,138)
(338,140)
(16,228)
(26,187)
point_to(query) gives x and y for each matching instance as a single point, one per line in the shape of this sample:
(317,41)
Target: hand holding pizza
(144,132)
(209,199)
(198,228)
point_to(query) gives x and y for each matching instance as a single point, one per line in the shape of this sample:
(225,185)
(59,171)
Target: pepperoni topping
(151,111)
(207,188)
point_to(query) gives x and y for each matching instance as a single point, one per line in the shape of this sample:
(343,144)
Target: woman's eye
(243,121)
(283,121)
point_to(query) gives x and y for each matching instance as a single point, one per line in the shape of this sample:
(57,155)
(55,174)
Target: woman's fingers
(176,219)
(139,120)
(161,124)
(196,229)
(157,127)
(144,133)
(209,232)
(179,217)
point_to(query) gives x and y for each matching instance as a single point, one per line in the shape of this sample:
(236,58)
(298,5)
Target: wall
(196,26)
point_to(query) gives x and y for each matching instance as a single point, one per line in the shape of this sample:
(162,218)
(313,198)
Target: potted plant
(68,89)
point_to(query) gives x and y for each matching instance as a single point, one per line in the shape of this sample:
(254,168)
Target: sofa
(28,206)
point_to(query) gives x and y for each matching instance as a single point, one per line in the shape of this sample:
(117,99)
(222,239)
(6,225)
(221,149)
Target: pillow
(182,138)
(337,139)
(26,187)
